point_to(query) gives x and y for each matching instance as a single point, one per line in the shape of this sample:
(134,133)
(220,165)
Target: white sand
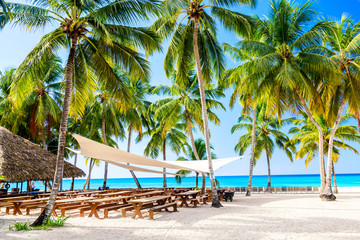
(261,216)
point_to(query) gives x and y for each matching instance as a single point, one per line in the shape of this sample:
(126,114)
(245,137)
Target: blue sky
(16,42)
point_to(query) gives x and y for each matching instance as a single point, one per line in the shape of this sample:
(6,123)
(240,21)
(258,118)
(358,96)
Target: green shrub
(50,223)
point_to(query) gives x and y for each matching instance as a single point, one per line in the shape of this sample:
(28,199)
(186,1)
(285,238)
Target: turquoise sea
(343,180)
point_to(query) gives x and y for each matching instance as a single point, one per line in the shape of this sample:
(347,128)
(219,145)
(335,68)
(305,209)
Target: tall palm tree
(268,135)
(305,134)
(97,35)
(162,138)
(197,40)
(291,75)
(244,88)
(342,45)
(184,103)
(190,156)
(137,117)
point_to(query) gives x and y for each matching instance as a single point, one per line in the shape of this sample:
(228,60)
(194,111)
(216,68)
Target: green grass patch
(50,223)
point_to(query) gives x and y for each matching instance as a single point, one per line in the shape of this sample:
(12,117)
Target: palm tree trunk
(215,201)
(269,172)
(191,135)
(88,179)
(73,178)
(105,142)
(192,140)
(43,138)
(321,143)
(131,171)
(45,214)
(197,180)
(164,169)
(327,194)
(203,183)
(252,154)
(358,120)
(335,183)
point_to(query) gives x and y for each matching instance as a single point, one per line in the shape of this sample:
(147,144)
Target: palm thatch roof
(22,160)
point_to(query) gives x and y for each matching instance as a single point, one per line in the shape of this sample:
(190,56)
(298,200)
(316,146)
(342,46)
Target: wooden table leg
(184,201)
(17,208)
(93,211)
(137,210)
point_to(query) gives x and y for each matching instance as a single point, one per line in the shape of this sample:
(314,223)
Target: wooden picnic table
(185,196)
(8,199)
(70,200)
(94,204)
(115,194)
(19,203)
(149,194)
(138,203)
(89,193)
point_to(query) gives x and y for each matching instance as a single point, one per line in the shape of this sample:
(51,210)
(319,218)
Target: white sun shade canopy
(133,168)
(93,149)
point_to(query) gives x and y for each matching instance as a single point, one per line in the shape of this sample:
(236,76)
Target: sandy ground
(261,216)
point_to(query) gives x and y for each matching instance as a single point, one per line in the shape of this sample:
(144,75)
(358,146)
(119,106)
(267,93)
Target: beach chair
(308,189)
(302,190)
(260,189)
(243,189)
(284,189)
(290,189)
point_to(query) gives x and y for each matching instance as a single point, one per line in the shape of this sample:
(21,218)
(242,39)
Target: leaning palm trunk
(215,200)
(269,173)
(45,214)
(358,120)
(327,194)
(88,179)
(105,142)
(194,150)
(197,180)
(164,169)
(73,178)
(335,183)
(321,143)
(203,183)
(131,171)
(252,156)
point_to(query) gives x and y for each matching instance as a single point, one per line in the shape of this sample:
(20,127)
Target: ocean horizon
(297,180)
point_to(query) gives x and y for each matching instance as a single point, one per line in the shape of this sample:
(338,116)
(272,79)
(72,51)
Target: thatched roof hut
(22,160)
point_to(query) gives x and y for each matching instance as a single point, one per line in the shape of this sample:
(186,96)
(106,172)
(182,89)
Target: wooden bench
(113,208)
(65,208)
(197,200)
(29,207)
(160,207)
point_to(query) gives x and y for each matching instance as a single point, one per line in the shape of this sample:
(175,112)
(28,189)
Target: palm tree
(306,136)
(137,115)
(41,97)
(197,40)
(290,75)
(244,87)
(162,138)
(268,135)
(99,36)
(184,103)
(341,44)
(190,156)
